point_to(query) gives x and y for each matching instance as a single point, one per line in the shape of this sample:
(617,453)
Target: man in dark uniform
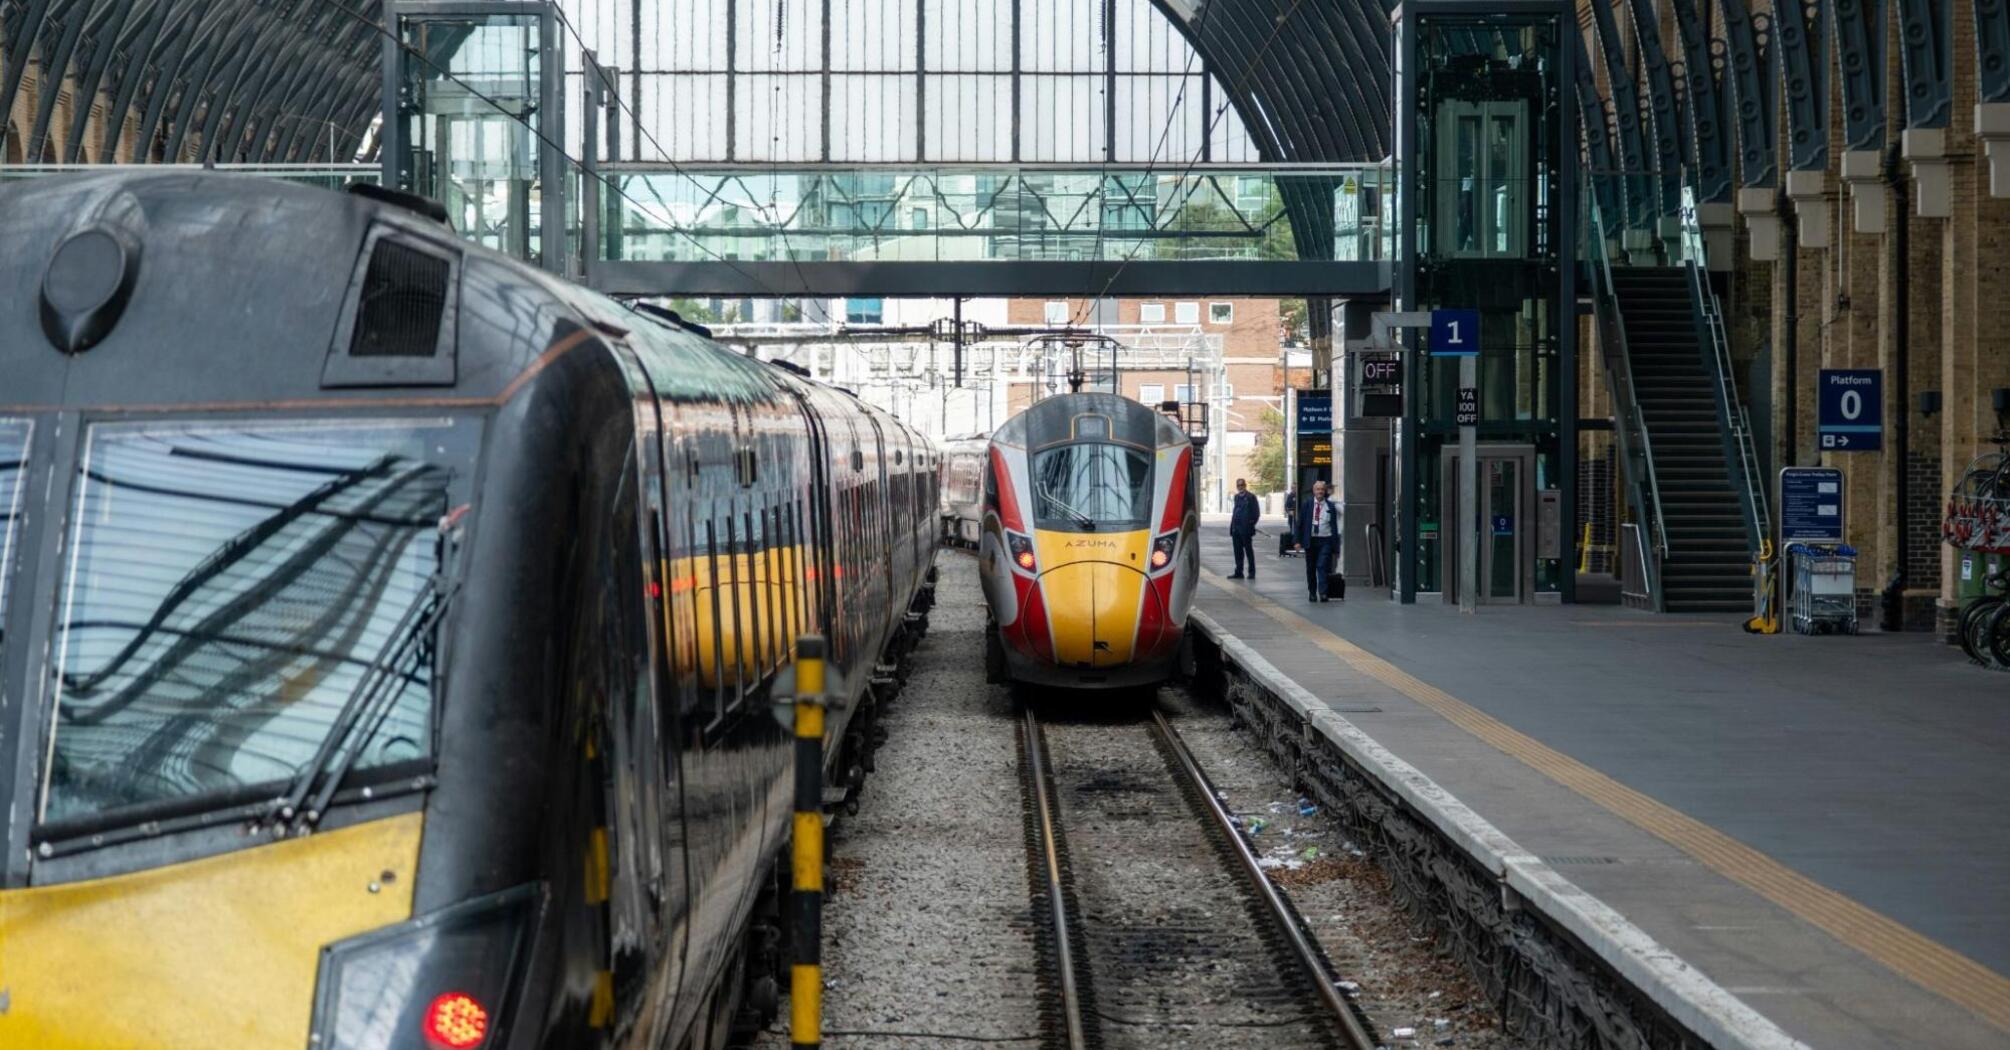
(1242,529)
(1319,535)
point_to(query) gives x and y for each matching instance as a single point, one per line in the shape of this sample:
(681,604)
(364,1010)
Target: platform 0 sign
(1455,333)
(1851,415)
(1811,505)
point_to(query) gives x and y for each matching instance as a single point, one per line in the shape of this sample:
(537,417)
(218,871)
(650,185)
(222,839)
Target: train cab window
(1089,486)
(234,588)
(13,463)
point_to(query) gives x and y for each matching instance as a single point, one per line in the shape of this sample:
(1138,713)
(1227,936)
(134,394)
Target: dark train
(1090,553)
(388,631)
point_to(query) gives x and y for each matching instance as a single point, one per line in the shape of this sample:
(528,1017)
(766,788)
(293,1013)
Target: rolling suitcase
(1336,587)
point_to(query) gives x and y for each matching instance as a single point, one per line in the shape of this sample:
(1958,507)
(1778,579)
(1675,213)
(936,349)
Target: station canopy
(732,81)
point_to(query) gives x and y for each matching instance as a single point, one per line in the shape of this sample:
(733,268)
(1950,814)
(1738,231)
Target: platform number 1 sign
(1455,333)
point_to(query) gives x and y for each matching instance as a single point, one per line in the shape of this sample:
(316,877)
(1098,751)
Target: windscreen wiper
(1072,511)
(307,798)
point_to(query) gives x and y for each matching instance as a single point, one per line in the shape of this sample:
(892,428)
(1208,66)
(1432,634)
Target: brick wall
(1924,502)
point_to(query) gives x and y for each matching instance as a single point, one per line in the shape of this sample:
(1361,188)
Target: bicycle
(1978,519)
(1984,629)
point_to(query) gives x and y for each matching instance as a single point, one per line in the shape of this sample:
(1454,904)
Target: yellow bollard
(806,976)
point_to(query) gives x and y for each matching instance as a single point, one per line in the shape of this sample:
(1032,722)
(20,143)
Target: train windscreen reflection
(228,586)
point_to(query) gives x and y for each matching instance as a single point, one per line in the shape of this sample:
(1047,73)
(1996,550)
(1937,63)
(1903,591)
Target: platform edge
(1671,983)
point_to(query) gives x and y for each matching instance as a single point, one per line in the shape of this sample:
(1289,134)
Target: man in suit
(1242,529)
(1319,535)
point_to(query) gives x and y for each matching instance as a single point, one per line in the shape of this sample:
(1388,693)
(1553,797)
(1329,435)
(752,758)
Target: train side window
(716,622)
(683,607)
(800,577)
(737,627)
(761,570)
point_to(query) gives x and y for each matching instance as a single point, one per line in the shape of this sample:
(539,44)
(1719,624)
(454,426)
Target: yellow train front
(1089,553)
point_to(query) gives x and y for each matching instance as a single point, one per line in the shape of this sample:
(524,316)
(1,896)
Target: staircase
(1708,563)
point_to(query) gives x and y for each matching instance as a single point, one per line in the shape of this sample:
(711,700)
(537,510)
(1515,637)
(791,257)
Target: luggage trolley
(1824,582)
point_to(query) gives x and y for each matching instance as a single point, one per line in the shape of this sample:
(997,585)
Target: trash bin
(1970,569)
(1824,588)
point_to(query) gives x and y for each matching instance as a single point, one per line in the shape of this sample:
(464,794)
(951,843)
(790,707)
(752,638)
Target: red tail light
(456,1021)
(1022,551)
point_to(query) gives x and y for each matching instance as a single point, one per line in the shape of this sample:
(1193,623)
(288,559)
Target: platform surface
(1821,825)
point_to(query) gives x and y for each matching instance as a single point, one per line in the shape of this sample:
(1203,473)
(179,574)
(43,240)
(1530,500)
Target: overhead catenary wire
(1241,79)
(1151,161)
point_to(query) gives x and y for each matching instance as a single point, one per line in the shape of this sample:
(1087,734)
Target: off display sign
(1469,406)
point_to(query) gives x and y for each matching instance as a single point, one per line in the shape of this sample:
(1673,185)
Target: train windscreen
(236,591)
(1091,486)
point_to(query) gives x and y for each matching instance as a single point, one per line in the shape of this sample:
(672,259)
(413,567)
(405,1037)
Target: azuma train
(390,631)
(1089,555)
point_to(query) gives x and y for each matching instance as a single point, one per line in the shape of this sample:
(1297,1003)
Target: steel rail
(1064,954)
(1280,910)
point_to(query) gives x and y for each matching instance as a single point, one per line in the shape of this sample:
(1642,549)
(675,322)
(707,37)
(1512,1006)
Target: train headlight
(1022,551)
(441,981)
(1162,549)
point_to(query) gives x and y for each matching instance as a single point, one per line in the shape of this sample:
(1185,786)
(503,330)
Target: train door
(649,848)
(881,534)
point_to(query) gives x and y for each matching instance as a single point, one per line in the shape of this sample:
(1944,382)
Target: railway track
(1158,926)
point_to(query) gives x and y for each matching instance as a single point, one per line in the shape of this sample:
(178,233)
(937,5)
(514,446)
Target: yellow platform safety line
(806,975)
(1922,960)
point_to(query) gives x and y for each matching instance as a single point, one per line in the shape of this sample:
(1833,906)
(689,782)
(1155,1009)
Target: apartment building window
(1221,313)
(1151,313)
(1186,313)
(1183,394)
(1152,393)
(1057,311)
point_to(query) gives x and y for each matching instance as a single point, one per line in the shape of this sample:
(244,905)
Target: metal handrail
(1619,369)
(1737,421)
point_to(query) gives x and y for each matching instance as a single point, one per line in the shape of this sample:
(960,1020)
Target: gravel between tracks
(929,936)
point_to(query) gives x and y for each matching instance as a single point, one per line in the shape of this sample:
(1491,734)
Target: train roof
(1054,420)
(138,288)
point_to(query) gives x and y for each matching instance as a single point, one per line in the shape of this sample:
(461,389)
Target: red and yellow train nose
(1095,589)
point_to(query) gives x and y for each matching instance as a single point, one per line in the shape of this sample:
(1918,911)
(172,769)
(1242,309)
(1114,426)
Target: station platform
(1817,824)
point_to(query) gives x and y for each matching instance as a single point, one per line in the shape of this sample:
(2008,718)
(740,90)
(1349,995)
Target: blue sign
(1455,333)
(1811,505)
(1503,525)
(1851,416)
(1315,413)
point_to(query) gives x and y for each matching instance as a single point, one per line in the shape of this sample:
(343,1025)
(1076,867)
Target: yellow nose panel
(1092,586)
(212,954)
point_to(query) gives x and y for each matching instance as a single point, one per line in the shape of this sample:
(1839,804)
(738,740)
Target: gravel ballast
(930,933)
